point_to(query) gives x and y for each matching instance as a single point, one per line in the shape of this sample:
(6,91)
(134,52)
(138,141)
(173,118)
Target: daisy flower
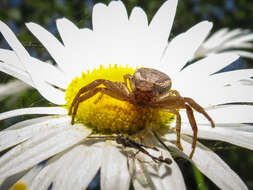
(227,40)
(48,152)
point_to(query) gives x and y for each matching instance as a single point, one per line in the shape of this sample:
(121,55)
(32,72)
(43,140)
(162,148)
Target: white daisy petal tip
(227,40)
(203,28)
(116,4)
(63,138)
(29,23)
(64,21)
(97,7)
(164,16)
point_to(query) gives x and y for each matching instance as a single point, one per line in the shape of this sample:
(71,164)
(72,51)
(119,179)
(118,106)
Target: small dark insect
(149,88)
(126,142)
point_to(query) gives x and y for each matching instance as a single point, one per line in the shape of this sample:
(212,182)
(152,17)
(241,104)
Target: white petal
(15,72)
(138,18)
(34,110)
(51,74)
(231,77)
(211,165)
(215,39)
(53,46)
(47,175)
(87,169)
(11,58)
(12,88)
(174,178)
(160,176)
(247,82)
(12,154)
(84,166)
(114,35)
(68,167)
(141,178)
(28,122)
(242,53)
(182,48)
(214,167)
(221,39)
(227,114)
(13,41)
(237,127)
(98,14)
(28,178)
(52,94)
(109,19)
(118,9)
(114,171)
(207,96)
(237,41)
(160,25)
(209,65)
(67,30)
(233,34)
(49,92)
(47,71)
(9,138)
(39,148)
(239,138)
(80,45)
(232,94)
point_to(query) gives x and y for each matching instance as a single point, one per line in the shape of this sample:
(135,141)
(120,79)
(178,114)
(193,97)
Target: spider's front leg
(84,89)
(116,90)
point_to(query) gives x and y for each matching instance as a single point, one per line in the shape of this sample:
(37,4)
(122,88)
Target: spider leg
(113,92)
(119,87)
(178,127)
(173,101)
(198,108)
(86,96)
(193,123)
(174,92)
(83,90)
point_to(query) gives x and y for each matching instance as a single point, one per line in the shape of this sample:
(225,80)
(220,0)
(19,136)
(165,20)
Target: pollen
(18,186)
(108,115)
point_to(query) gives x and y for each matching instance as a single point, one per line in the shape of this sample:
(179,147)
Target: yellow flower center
(110,115)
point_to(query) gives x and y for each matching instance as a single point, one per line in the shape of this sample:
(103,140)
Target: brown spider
(149,88)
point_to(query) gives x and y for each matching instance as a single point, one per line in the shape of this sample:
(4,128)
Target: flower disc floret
(109,115)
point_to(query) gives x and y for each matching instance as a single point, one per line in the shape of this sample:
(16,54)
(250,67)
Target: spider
(148,88)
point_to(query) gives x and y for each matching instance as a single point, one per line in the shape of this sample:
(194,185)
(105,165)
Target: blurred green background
(226,13)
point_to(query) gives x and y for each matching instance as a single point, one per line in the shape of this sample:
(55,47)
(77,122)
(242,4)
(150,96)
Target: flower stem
(199,178)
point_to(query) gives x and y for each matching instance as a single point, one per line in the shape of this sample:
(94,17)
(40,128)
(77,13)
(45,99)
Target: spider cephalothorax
(148,88)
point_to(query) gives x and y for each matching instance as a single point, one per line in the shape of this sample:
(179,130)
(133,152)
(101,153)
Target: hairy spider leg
(199,109)
(193,124)
(120,87)
(116,90)
(83,90)
(178,127)
(171,103)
